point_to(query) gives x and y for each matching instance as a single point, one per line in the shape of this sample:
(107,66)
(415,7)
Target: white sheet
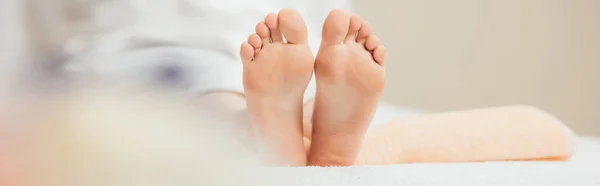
(582,170)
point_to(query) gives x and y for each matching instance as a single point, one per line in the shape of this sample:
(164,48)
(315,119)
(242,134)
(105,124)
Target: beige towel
(494,134)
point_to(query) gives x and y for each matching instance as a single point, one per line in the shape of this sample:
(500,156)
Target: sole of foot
(278,65)
(350,79)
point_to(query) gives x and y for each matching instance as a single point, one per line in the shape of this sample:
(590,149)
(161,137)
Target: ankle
(286,151)
(330,159)
(334,150)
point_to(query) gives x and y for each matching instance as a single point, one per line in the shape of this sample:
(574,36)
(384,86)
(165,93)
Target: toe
(379,54)
(255,41)
(292,26)
(365,31)
(263,32)
(272,22)
(355,24)
(336,27)
(372,42)
(246,52)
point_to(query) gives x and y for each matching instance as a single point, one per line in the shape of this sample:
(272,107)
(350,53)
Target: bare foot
(350,80)
(276,74)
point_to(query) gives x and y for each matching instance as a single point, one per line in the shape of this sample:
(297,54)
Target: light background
(462,54)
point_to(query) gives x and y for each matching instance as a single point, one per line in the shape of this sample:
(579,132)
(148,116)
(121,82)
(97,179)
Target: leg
(276,73)
(350,80)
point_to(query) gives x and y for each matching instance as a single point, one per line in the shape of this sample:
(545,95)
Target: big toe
(336,27)
(292,26)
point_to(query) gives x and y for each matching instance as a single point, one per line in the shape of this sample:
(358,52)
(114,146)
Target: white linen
(197,27)
(582,170)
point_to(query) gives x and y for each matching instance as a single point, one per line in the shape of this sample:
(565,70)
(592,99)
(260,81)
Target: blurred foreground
(88,133)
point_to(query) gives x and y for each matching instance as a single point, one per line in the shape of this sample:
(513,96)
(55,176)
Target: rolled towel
(495,134)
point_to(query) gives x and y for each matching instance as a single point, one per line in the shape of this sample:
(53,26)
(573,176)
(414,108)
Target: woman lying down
(331,126)
(330,129)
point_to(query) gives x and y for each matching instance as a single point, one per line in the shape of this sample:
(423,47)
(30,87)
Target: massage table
(582,170)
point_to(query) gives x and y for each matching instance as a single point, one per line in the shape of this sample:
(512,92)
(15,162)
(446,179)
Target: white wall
(448,55)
